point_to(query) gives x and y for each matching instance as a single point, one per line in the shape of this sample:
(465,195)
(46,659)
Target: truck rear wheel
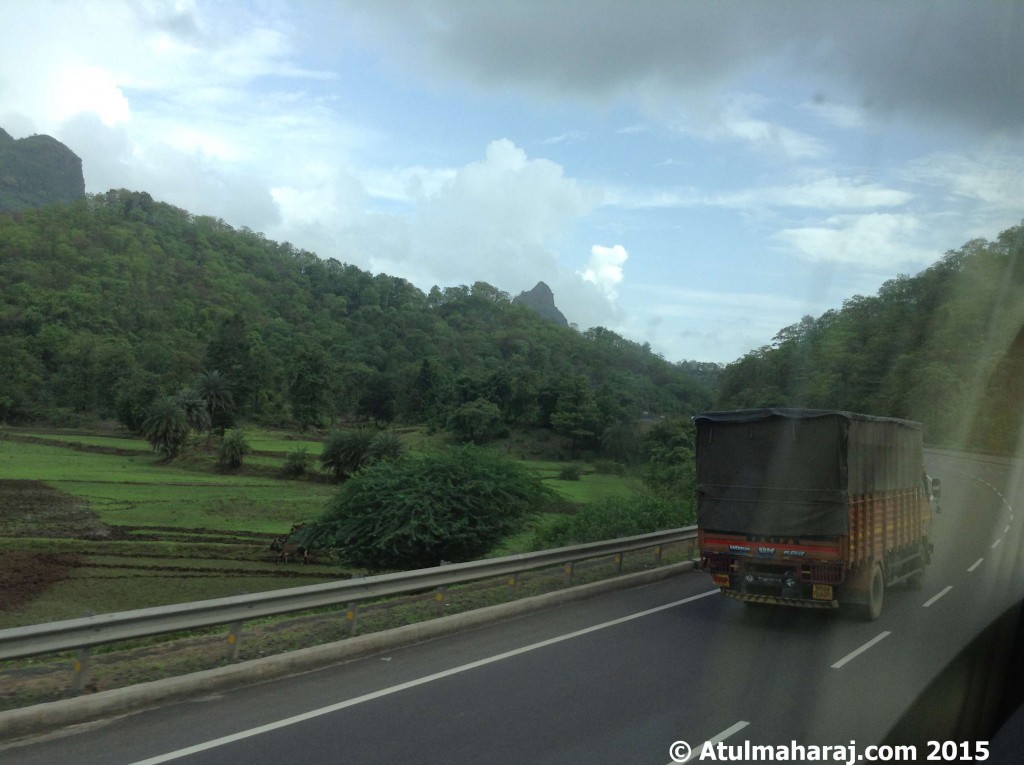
(876,594)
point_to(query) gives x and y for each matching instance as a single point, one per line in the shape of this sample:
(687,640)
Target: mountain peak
(541,300)
(37,171)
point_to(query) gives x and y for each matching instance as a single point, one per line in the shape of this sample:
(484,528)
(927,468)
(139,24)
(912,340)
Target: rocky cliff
(542,300)
(37,171)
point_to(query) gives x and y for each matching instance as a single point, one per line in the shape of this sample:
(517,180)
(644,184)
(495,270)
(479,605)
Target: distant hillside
(37,171)
(541,300)
(115,300)
(945,347)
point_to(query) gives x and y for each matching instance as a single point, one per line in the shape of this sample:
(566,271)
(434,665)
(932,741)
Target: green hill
(116,299)
(945,347)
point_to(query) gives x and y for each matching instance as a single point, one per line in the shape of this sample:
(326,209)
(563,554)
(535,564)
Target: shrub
(415,511)
(613,518)
(296,462)
(609,467)
(477,421)
(233,448)
(345,451)
(386,446)
(571,472)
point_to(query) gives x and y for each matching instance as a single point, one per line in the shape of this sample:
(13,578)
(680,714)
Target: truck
(812,508)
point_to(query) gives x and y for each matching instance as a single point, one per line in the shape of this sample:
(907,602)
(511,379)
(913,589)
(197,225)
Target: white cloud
(691,323)
(818,191)
(407,184)
(604,269)
(838,115)
(769,136)
(91,89)
(821,192)
(499,218)
(873,241)
(995,178)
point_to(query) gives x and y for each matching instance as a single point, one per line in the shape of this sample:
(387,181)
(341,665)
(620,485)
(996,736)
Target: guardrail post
(567,578)
(81,667)
(657,555)
(352,614)
(618,563)
(233,640)
(513,582)
(439,596)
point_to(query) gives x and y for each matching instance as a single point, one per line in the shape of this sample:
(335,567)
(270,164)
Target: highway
(618,679)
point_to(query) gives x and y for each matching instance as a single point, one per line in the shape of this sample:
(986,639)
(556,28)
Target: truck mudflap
(779,600)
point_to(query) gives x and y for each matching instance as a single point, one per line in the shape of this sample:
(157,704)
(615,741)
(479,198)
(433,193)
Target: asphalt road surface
(620,678)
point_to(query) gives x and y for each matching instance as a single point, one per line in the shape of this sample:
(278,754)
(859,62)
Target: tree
(477,422)
(309,385)
(166,427)
(621,441)
(215,390)
(386,445)
(345,451)
(576,412)
(231,352)
(414,512)
(378,401)
(197,414)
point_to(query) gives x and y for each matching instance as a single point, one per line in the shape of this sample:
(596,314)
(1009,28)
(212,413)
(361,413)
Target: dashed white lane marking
(724,734)
(1006,529)
(854,654)
(976,564)
(996,543)
(939,594)
(720,737)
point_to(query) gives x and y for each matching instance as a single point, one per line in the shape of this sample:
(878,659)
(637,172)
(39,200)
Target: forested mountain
(113,301)
(37,171)
(945,347)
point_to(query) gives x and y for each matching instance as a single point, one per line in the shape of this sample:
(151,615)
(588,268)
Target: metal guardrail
(84,633)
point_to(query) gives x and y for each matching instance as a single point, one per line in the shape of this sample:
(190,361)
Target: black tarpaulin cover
(791,472)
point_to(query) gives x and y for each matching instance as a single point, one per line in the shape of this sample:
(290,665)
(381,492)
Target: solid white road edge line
(410,684)
(851,656)
(976,564)
(936,597)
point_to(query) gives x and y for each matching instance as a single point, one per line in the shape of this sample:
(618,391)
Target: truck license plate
(822,592)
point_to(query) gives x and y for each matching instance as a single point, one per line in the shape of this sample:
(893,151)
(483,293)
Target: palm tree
(215,390)
(166,427)
(345,451)
(192,404)
(386,446)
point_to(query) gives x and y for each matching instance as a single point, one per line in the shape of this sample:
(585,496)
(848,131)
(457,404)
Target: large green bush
(416,511)
(616,517)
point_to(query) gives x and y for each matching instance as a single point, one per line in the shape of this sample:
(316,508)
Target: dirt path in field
(25,575)
(34,509)
(77,445)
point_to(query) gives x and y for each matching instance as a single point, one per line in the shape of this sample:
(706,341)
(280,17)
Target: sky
(693,175)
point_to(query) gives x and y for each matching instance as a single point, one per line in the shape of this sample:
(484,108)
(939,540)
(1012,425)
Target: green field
(96,523)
